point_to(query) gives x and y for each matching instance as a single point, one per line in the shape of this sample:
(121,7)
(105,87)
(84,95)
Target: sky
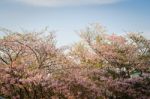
(68,16)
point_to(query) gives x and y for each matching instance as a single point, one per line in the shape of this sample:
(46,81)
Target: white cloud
(58,3)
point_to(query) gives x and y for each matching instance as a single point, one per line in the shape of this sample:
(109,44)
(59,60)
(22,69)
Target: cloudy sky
(68,16)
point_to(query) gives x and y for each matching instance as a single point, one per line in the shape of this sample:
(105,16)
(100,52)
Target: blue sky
(68,16)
